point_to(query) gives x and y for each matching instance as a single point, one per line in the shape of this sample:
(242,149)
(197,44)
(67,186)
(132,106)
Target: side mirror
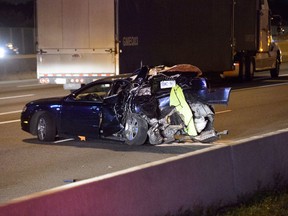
(71,97)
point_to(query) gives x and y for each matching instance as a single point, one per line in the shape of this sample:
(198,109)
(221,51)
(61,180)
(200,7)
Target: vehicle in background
(8,49)
(254,47)
(88,39)
(277,25)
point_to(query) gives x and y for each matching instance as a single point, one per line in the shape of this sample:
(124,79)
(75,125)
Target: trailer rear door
(75,38)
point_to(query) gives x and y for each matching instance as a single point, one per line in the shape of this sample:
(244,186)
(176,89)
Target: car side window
(94,93)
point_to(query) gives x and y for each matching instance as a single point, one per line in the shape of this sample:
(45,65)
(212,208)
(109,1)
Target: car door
(81,118)
(111,113)
(81,113)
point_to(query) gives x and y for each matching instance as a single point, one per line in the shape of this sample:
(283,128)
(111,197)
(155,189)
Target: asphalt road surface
(28,166)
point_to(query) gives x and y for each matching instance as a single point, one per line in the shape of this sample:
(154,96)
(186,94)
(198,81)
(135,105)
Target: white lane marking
(185,144)
(7,122)
(224,111)
(64,140)
(16,96)
(11,112)
(260,87)
(283,75)
(30,85)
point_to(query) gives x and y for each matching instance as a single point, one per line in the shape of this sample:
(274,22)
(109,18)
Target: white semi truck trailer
(79,41)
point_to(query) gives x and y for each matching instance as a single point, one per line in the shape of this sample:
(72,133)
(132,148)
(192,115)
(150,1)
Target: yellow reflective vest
(178,100)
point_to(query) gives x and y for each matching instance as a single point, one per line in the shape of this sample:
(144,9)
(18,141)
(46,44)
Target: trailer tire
(242,68)
(249,72)
(275,71)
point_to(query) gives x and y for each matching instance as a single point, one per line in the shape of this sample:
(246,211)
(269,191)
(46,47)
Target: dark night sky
(20,13)
(17,13)
(15,1)
(280,7)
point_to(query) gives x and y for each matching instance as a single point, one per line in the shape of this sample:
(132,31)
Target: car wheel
(46,129)
(135,130)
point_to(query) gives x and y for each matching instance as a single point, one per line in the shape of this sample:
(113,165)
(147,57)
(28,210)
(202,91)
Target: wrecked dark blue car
(153,105)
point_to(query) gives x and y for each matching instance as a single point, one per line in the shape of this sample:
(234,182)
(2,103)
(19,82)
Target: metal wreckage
(152,105)
(166,104)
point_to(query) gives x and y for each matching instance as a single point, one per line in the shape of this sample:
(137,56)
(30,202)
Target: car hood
(53,100)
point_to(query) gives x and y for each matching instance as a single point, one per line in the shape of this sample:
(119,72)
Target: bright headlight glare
(2,52)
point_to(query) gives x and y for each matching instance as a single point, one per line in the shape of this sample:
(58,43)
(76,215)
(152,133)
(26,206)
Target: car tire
(135,130)
(46,129)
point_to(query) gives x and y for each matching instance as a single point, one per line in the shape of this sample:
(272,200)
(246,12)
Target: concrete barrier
(18,67)
(215,175)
